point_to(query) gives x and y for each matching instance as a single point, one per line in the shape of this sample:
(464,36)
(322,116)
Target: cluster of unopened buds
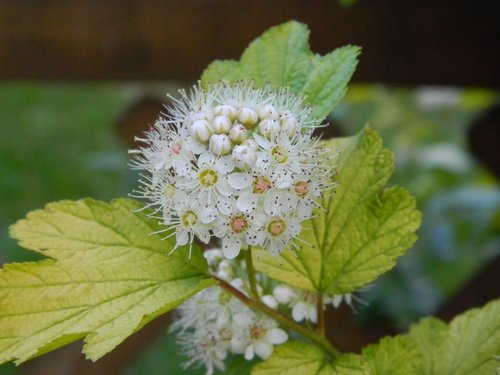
(234,162)
(213,323)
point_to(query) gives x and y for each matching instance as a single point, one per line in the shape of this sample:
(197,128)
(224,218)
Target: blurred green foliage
(60,142)
(426,128)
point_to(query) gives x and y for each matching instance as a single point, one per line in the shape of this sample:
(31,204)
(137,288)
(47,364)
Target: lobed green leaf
(467,346)
(107,278)
(361,232)
(393,356)
(282,57)
(304,359)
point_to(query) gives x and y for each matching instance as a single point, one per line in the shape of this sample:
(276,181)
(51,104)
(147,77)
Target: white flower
(206,183)
(255,334)
(203,348)
(302,302)
(279,232)
(237,229)
(213,323)
(304,310)
(257,186)
(284,294)
(234,143)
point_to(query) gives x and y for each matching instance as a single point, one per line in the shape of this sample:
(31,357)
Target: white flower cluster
(304,303)
(234,162)
(213,323)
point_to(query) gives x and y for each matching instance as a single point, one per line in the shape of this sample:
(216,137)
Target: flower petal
(225,164)
(182,165)
(247,202)
(231,247)
(261,141)
(181,236)
(299,311)
(263,349)
(206,158)
(208,215)
(249,354)
(239,181)
(224,188)
(277,336)
(203,234)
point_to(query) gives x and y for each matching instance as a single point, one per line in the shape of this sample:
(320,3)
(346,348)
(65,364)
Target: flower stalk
(251,273)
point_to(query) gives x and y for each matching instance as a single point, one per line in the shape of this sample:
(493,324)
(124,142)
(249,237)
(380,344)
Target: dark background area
(406,42)
(68,109)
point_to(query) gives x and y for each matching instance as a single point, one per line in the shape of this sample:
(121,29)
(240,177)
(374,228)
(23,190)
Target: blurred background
(78,79)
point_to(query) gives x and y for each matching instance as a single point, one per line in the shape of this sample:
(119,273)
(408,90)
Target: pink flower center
(302,188)
(256,332)
(239,224)
(261,185)
(176,149)
(276,227)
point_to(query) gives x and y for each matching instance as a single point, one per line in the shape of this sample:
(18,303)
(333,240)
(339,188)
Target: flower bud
(268,112)
(207,111)
(238,133)
(226,110)
(248,117)
(269,128)
(220,144)
(200,130)
(289,124)
(221,125)
(244,156)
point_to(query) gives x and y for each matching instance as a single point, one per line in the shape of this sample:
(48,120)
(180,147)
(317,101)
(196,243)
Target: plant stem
(320,327)
(251,273)
(283,320)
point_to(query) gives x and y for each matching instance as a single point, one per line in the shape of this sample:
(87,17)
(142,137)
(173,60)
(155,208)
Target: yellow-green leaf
(467,346)
(363,230)
(393,356)
(107,276)
(297,358)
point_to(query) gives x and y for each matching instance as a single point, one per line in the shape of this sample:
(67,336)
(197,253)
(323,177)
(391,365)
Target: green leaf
(304,359)
(429,336)
(467,346)
(107,278)
(363,230)
(327,81)
(393,356)
(229,69)
(282,57)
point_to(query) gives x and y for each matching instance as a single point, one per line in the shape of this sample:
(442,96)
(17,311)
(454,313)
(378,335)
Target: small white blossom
(255,334)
